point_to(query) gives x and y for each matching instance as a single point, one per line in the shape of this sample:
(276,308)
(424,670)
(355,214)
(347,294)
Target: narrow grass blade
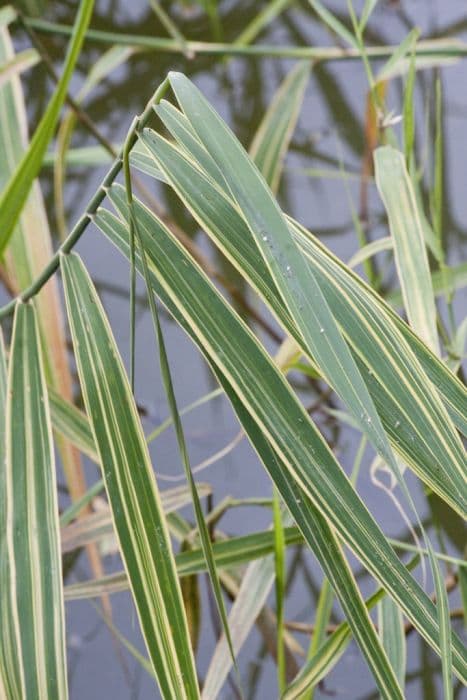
(398,196)
(397,63)
(323,613)
(279,566)
(32,526)
(169,25)
(391,367)
(333,23)
(228,554)
(366,13)
(74,510)
(408,112)
(133,496)
(369,250)
(15,193)
(392,633)
(444,621)
(205,315)
(430,47)
(272,138)
(269,13)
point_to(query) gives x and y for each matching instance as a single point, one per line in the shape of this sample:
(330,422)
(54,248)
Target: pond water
(330,134)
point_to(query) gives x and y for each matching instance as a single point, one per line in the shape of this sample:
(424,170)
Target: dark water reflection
(330,132)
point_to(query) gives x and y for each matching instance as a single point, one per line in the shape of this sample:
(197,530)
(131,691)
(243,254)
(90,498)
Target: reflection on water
(330,135)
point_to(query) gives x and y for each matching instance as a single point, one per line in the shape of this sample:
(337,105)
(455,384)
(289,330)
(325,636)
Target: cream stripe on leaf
(397,193)
(9,668)
(133,496)
(414,418)
(202,311)
(32,528)
(453,392)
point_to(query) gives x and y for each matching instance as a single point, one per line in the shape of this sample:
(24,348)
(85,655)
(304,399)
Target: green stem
(81,225)
(430,48)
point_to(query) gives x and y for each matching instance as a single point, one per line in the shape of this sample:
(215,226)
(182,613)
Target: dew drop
(321,330)
(397,423)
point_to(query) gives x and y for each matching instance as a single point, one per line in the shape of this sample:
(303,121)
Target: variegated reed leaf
(295,282)
(32,525)
(267,150)
(73,424)
(174,413)
(392,633)
(207,212)
(293,278)
(28,252)
(139,520)
(9,668)
(413,417)
(329,653)
(200,309)
(228,554)
(321,539)
(98,525)
(398,195)
(272,138)
(15,193)
(235,551)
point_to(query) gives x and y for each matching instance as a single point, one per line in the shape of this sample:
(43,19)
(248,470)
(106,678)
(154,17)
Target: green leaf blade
(205,315)
(397,193)
(415,421)
(138,517)
(32,525)
(273,135)
(13,196)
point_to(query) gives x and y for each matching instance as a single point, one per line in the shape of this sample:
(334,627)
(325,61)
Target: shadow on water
(330,133)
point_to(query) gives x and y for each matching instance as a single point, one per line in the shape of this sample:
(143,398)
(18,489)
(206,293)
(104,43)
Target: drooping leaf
(199,307)
(391,368)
